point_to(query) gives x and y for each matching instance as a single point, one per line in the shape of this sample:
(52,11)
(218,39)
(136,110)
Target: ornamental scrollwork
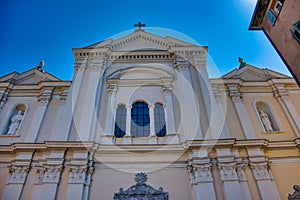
(18,174)
(141,191)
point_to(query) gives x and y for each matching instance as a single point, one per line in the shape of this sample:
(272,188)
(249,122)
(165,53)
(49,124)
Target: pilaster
(110,115)
(51,172)
(262,174)
(86,118)
(169,113)
(282,95)
(241,110)
(36,122)
(18,172)
(190,114)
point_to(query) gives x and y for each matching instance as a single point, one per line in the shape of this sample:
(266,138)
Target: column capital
(18,174)
(52,173)
(182,66)
(240,169)
(80,66)
(77,173)
(112,89)
(228,171)
(128,107)
(168,91)
(44,100)
(235,94)
(200,173)
(40,172)
(261,171)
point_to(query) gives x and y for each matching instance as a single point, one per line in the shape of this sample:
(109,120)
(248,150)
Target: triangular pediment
(33,76)
(139,40)
(253,74)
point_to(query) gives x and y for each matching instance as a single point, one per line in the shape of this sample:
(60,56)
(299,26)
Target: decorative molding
(259,14)
(77,173)
(167,91)
(3,99)
(18,174)
(52,173)
(40,172)
(240,169)
(261,171)
(235,94)
(44,100)
(182,67)
(141,191)
(228,172)
(200,173)
(296,194)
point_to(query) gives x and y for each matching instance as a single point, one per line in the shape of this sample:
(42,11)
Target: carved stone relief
(18,174)
(52,173)
(141,191)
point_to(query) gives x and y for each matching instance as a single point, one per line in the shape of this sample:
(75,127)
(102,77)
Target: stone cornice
(208,144)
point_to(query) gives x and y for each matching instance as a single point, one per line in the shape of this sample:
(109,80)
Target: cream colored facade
(218,143)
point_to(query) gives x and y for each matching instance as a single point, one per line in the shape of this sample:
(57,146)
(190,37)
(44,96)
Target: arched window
(159,120)
(266,117)
(120,123)
(140,120)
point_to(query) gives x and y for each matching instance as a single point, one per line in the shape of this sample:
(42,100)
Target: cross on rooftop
(139,25)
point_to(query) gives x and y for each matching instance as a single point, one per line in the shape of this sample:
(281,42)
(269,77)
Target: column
(18,174)
(151,113)
(229,177)
(128,120)
(169,114)
(202,182)
(264,180)
(88,105)
(52,171)
(76,182)
(88,179)
(77,175)
(39,114)
(57,134)
(242,112)
(215,115)
(190,114)
(240,168)
(290,111)
(225,133)
(228,174)
(71,102)
(109,123)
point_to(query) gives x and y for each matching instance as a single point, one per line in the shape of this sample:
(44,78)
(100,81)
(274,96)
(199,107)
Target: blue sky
(35,30)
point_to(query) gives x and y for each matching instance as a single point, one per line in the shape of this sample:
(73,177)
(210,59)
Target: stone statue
(15,122)
(265,120)
(296,194)
(242,63)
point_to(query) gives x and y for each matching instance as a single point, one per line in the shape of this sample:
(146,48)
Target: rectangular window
(296,31)
(271,17)
(274,11)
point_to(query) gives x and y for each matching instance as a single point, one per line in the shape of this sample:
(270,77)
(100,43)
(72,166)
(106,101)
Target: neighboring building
(144,103)
(280,21)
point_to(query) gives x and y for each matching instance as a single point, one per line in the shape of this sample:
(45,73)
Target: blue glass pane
(140,120)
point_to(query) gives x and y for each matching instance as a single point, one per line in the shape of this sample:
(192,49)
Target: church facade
(140,109)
